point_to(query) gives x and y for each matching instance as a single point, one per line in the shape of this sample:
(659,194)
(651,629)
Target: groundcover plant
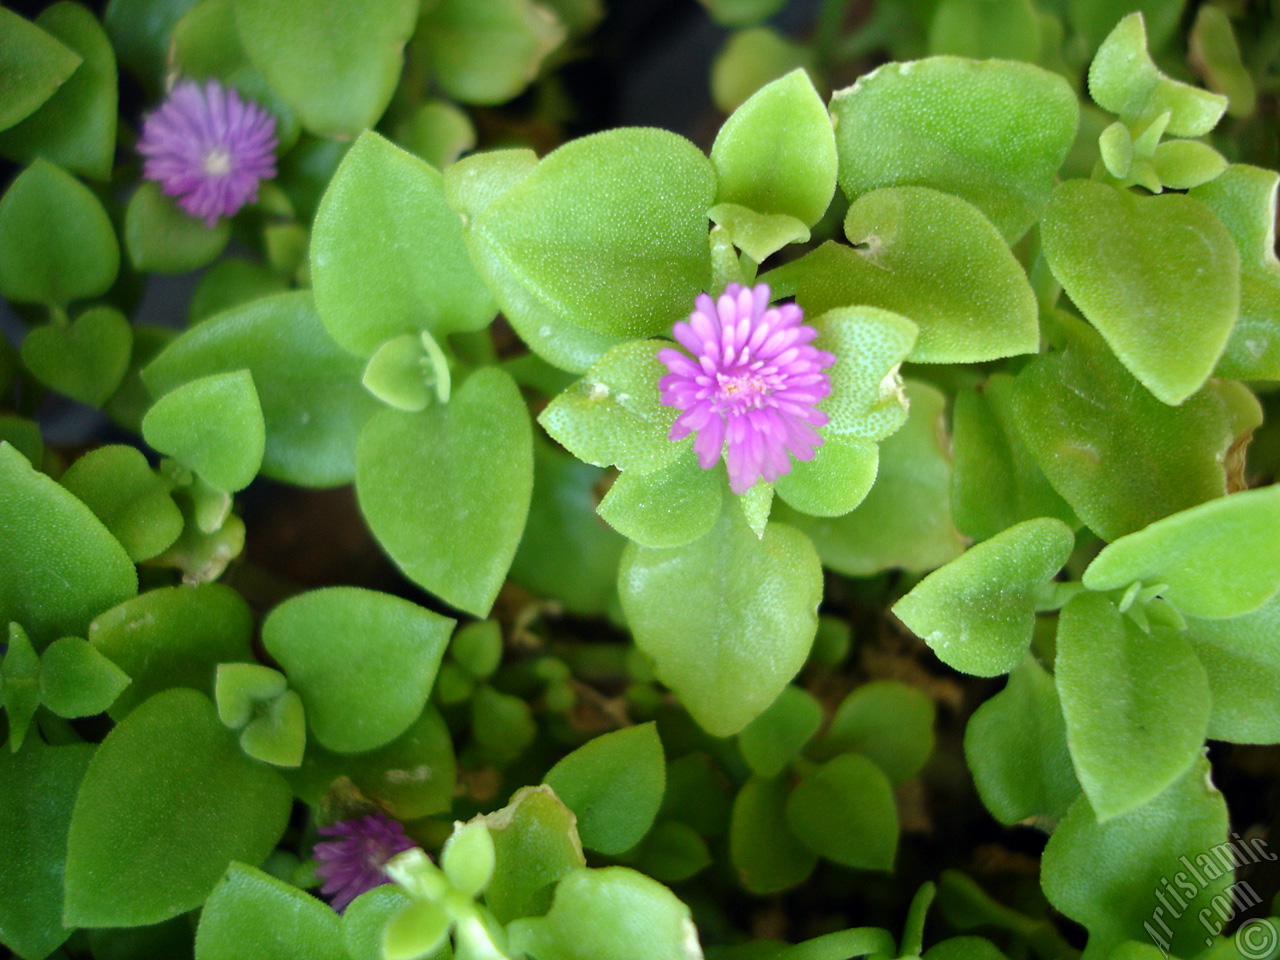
(850,534)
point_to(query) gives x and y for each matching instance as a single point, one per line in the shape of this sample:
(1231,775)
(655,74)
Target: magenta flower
(209,149)
(354,864)
(753,382)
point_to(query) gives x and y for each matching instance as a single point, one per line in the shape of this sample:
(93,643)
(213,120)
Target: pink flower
(209,149)
(354,864)
(753,382)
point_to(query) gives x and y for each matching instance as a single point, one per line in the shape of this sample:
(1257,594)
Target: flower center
(217,163)
(742,391)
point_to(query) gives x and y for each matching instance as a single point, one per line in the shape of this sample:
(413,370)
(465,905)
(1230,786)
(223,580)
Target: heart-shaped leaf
(240,686)
(977,612)
(844,811)
(446,491)
(751,603)
(1220,559)
(168,801)
(85,360)
(1136,704)
(1158,277)
(76,680)
(993,132)
(330,643)
(213,426)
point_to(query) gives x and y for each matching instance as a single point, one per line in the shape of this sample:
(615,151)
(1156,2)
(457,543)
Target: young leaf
(168,800)
(766,855)
(1220,559)
(614,786)
(85,360)
(776,737)
(1158,277)
(446,491)
(886,721)
(844,811)
(1136,704)
(990,132)
(977,612)
(835,481)
(751,603)
(330,643)
(76,680)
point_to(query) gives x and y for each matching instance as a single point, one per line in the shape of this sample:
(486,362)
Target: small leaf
(844,810)
(835,481)
(886,721)
(758,235)
(777,154)
(161,238)
(772,740)
(1183,164)
(21,674)
(1220,559)
(397,374)
(330,643)
(130,498)
(468,858)
(1156,275)
(869,344)
(418,929)
(213,426)
(278,734)
(446,491)
(33,64)
(990,132)
(438,132)
(982,29)
(749,601)
(667,507)
(56,241)
(337,66)
(1242,660)
(251,914)
(167,802)
(614,786)
(977,612)
(477,647)
(365,918)
(78,681)
(85,360)
(239,687)
(1016,749)
(766,855)
(1136,704)
(1125,80)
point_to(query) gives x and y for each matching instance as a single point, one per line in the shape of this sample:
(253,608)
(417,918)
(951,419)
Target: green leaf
(412,776)
(766,855)
(487,52)
(566,552)
(772,740)
(85,360)
(1087,422)
(991,132)
(167,802)
(278,734)
(1103,874)
(438,132)
(1095,19)
(977,612)
(535,843)
(1244,199)
(1125,80)
(1007,29)
(614,786)
(1136,704)
(130,499)
(1182,164)
(886,721)
(1220,559)
(56,242)
(501,723)
(477,647)
(24,436)
(331,644)
(34,64)
(855,942)
(1242,660)
(668,507)
(835,481)
(758,235)
(33,838)
(401,374)
(777,154)
(240,687)
(844,811)
(21,674)
(613,913)
(366,916)
(905,521)
(336,65)
(173,637)
(253,916)
(964,948)
(673,852)
(213,426)
(614,415)
(1156,275)
(995,481)
(418,929)
(446,491)
(750,60)
(161,238)
(76,127)
(1214,51)
(313,406)
(866,399)
(1016,748)
(231,282)
(387,255)
(930,257)
(140,31)
(476,181)
(76,680)
(54,585)
(749,603)
(618,262)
